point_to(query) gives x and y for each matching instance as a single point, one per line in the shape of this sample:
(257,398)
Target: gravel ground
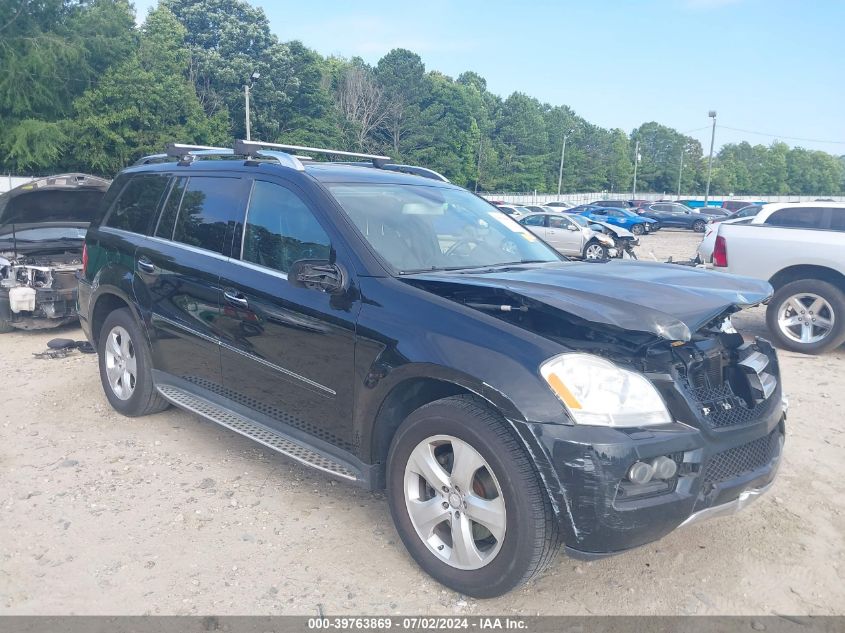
(168,514)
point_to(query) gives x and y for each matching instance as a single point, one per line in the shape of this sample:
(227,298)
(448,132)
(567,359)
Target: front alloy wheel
(466,498)
(454,502)
(595,251)
(698,226)
(637,229)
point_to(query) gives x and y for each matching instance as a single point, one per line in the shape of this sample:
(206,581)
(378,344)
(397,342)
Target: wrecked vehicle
(401,333)
(623,240)
(42,229)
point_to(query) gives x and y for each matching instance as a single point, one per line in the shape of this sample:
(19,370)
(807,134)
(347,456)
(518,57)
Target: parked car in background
(513,211)
(618,204)
(569,237)
(559,204)
(800,250)
(637,224)
(745,212)
(736,205)
(42,228)
(539,208)
(676,215)
(623,239)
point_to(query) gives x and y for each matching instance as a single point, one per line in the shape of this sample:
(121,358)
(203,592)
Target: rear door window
(534,220)
(211,210)
(799,218)
(135,208)
(167,221)
(837,219)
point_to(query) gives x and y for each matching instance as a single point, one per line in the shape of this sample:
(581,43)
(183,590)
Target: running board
(258,432)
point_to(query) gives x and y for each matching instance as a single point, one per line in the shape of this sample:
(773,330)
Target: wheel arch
(807,271)
(106,302)
(411,393)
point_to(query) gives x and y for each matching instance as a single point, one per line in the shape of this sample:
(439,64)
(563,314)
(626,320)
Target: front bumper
(53,307)
(720,469)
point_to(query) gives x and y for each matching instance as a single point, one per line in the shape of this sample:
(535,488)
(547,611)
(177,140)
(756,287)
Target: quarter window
(837,219)
(280,229)
(211,208)
(136,207)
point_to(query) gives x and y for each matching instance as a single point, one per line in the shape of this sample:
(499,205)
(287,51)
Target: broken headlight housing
(598,392)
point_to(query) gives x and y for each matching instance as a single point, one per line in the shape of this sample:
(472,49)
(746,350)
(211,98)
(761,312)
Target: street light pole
(711,114)
(636,162)
(562,154)
(247,87)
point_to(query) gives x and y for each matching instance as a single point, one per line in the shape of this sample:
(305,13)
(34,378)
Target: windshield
(418,228)
(46,234)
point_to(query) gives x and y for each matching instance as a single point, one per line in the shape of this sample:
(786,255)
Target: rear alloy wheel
(466,499)
(637,229)
(595,251)
(807,316)
(125,366)
(699,225)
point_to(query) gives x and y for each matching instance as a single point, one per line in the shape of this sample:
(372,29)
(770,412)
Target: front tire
(126,368)
(595,251)
(807,316)
(466,499)
(638,229)
(699,225)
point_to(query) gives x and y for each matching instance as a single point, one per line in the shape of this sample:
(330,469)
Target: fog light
(640,473)
(664,468)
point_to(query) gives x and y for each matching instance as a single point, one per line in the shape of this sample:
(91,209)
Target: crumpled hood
(667,300)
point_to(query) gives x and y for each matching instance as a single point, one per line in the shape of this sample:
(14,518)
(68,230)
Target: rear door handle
(236,298)
(145,265)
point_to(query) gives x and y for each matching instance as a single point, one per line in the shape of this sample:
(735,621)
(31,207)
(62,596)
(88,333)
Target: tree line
(85,89)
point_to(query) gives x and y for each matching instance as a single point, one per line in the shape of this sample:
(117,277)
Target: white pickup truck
(800,250)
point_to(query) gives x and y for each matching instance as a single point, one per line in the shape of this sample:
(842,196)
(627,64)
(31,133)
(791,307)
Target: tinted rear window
(211,208)
(136,206)
(800,217)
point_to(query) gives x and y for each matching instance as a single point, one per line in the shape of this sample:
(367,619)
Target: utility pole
(562,154)
(680,173)
(711,114)
(636,162)
(247,87)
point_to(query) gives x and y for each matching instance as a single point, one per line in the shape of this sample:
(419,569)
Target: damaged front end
(42,229)
(615,487)
(38,292)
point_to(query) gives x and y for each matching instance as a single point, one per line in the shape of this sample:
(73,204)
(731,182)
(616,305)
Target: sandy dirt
(169,514)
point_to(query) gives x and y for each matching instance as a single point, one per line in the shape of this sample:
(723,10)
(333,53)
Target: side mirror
(318,274)
(572,227)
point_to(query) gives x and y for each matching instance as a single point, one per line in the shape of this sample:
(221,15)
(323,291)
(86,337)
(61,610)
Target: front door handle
(236,298)
(145,265)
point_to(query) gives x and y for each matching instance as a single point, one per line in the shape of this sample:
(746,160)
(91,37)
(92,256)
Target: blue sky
(770,66)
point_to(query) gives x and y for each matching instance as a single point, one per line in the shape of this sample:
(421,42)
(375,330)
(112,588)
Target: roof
(769,208)
(324,172)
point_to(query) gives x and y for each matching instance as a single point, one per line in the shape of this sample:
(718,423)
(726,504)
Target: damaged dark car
(401,333)
(42,229)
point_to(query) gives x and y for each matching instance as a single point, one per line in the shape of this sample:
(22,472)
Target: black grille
(742,459)
(721,407)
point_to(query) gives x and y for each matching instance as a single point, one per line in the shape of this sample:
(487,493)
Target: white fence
(8,182)
(581,198)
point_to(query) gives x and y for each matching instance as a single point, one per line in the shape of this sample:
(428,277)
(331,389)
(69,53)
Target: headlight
(596,391)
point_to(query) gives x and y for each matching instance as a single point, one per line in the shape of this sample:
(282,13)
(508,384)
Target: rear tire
(126,368)
(790,310)
(472,461)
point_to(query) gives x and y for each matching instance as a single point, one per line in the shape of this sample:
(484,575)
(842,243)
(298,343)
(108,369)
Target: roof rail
(253,148)
(414,170)
(185,153)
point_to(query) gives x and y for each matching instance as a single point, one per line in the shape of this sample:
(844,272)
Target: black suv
(388,328)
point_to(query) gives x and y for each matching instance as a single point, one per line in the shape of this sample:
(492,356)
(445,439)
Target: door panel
(288,352)
(566,241)
(180,290)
